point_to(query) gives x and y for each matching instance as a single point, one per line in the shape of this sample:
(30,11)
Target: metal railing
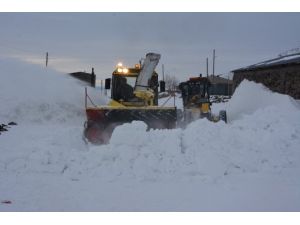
(87,97)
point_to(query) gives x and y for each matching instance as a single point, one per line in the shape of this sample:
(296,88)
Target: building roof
(216,79)
(280,60)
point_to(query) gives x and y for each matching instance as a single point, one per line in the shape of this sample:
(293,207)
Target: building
(220,85)
(281,74)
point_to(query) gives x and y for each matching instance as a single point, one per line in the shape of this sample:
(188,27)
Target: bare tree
(171,83)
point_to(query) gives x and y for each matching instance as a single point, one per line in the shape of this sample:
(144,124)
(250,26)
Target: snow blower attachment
(134,93)
(196,101)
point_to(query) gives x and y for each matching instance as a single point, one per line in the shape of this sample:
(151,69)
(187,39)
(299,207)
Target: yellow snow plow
(134,96)
(196,101)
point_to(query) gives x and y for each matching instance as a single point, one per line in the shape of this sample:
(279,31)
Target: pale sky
(80,41)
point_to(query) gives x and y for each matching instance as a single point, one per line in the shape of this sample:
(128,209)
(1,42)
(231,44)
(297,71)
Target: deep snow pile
(250,97)
(242,165)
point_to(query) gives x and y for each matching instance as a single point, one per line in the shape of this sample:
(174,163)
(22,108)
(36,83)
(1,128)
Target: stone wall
(284,79)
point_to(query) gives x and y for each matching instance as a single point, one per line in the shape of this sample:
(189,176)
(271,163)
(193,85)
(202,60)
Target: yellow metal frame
(205,107)
(131,107)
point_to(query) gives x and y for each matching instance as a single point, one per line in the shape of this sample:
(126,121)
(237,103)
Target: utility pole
(228,85)
(206,67)
(46,59)
(163,71)
(214,57)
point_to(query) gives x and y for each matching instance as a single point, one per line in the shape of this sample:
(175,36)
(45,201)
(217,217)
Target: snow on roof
(281,60)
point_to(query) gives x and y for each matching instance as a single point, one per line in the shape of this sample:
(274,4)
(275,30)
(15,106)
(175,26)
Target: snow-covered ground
(250,164)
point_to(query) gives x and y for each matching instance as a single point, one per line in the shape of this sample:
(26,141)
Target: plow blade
(101,121)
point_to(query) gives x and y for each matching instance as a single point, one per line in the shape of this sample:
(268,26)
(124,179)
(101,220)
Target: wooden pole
(206,67)
(174,97)
(46,59)
(85,97)
(228,85)
(214,56)
(163,72)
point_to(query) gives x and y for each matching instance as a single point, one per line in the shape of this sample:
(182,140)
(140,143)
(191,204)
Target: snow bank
(266,140)
(250,96)
(260,142)
(135,153)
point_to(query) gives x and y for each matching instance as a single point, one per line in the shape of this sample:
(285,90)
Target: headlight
(119,64)
(120,70)
(125,70)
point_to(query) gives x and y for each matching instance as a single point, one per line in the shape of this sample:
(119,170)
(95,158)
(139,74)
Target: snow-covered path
(250,164)
(51,192)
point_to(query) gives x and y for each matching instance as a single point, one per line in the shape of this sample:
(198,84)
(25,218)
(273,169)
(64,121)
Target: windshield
(131,81)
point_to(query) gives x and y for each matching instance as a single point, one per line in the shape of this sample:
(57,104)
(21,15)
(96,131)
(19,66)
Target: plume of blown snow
(34,94)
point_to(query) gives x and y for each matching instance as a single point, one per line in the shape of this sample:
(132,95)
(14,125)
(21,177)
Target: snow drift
(250,97)
(239,166)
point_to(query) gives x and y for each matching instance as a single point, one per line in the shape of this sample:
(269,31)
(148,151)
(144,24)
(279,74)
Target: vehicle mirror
(162,85)
(107,83)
